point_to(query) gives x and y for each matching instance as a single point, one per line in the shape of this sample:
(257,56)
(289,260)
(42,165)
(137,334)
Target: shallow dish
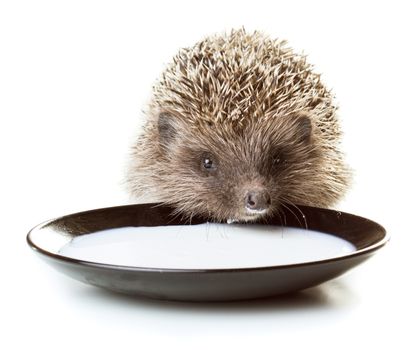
(203,284)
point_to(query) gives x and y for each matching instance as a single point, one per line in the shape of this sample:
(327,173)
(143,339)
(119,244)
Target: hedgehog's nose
(257,200)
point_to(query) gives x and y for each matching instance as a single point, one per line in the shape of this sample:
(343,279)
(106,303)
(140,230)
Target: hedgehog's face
(229,174)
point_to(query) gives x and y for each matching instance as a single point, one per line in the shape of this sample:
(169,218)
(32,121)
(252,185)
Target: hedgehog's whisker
(302,214)
(292,212)
(281,216)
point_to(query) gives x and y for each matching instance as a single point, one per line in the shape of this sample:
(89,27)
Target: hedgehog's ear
(167,128)
(304,127)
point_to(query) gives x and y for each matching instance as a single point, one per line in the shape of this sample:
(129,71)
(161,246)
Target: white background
(74,77)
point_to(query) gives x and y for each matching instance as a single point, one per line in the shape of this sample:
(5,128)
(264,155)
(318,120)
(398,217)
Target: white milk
(206,246)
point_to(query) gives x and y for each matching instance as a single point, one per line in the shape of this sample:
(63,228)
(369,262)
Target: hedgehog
(238,127)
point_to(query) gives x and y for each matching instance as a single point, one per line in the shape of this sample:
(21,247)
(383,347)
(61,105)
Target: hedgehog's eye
(278,157)
(208,162)
(280,161)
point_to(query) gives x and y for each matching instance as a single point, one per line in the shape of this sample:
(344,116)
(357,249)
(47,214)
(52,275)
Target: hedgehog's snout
(257,201)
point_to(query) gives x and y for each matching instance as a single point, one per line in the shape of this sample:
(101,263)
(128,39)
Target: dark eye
(208,162)
(278,157)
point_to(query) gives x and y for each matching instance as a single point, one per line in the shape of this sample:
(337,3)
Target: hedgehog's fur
(245,99)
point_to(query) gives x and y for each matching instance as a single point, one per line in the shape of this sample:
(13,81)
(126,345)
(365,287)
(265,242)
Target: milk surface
(206,246)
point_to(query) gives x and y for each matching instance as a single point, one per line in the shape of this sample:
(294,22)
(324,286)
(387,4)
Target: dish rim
(61,258)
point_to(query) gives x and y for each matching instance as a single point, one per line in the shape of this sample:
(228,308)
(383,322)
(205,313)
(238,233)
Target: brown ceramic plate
(217,284)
